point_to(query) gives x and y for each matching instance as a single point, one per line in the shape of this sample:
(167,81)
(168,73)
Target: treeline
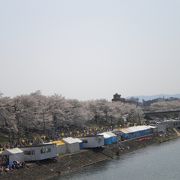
(36,112)
(165,105)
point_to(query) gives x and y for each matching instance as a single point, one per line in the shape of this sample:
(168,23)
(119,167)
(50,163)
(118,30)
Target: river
(155,162)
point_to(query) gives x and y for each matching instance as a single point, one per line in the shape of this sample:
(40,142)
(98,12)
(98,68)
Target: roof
(47,143)
(108,134)
(38,145)
(12,151)
(58,143)
(171,120)
(136,129)
(91,136)
(71,140)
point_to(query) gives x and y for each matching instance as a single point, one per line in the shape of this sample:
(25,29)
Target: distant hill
(146,98)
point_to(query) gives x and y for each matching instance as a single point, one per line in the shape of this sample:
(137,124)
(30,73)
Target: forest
(48,115)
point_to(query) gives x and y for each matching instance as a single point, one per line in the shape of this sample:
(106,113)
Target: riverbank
(75,162)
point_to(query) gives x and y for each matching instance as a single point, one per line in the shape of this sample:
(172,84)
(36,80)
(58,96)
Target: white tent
(72,144)
(93,141)
(14,154)
(39,152)
(60,146)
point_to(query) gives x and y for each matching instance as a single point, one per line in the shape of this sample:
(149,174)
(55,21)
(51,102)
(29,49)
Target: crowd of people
(5,167)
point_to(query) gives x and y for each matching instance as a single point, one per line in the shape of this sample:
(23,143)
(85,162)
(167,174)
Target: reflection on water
(157,162)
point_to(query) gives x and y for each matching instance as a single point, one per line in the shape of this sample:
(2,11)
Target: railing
(162,111)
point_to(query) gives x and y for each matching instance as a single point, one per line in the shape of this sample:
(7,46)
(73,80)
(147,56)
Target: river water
(156,162)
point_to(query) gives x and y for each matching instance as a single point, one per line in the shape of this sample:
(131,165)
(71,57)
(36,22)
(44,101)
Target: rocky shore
(75,162)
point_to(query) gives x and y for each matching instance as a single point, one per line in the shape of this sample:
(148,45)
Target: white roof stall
(93,141)
(72,144)
(60,147)
(39,152)
(14,154)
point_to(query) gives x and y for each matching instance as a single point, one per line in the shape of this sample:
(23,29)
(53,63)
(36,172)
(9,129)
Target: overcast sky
(90,49)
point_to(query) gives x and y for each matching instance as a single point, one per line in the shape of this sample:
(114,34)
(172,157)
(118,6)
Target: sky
(90,49)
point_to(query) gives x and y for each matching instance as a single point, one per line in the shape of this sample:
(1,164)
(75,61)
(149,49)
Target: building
(40,152)
(117,97)
(172,123)
(60,147)
(93,141)
(109,138)
(72,144)
(163,126)
(136,132)
(11,155)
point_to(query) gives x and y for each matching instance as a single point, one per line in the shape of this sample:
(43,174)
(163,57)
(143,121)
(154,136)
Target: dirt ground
(74,162)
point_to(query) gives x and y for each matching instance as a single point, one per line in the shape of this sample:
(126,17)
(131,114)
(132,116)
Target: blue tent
(109,138)
(136,132)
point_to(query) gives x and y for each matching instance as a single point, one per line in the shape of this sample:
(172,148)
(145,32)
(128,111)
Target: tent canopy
(12,151)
